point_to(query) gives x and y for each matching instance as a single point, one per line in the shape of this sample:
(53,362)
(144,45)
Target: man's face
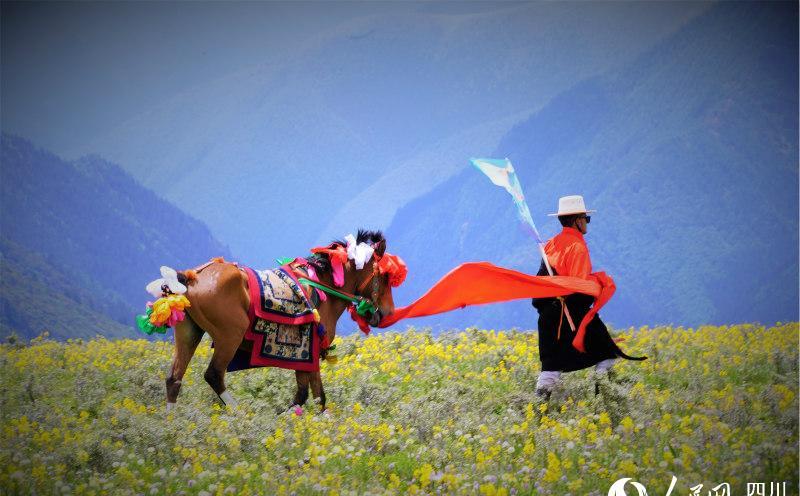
(582,223)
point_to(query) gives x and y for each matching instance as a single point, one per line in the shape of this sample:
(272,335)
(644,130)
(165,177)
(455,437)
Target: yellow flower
(553,472)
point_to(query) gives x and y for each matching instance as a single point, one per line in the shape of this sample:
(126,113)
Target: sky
(116,58)
(71,70)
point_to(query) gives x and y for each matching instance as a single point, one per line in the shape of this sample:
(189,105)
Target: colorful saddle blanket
(283,328)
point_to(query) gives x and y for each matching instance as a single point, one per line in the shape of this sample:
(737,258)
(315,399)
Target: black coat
(555,350)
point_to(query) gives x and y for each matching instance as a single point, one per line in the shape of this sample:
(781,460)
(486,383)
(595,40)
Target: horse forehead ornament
(358,253)
(386,264)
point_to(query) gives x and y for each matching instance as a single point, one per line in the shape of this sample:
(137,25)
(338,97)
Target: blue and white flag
(501,173)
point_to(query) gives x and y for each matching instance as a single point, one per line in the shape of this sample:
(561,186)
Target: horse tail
(187,277)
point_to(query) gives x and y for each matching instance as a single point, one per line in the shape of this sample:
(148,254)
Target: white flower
(169,278)
(359,253)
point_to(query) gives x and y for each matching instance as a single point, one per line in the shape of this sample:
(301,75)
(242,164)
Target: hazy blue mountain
(300,147)
(35,296)
(689,154)
(80,240)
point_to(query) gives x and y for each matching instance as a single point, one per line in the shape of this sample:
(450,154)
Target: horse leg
(303,379)
(187,337)
(215,373)
(220,303)
(317,390)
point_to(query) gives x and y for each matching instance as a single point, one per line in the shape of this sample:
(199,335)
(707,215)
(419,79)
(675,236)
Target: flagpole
(540,243)
(503,176)
(550,271)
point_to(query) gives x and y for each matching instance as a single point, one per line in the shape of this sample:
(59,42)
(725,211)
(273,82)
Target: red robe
(561,348)
(568,254)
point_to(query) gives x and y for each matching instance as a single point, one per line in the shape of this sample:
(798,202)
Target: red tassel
(362,324)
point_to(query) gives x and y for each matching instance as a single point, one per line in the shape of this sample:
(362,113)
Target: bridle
(374,295)
(363,305)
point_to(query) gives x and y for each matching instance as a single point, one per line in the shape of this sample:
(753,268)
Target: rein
(363,305)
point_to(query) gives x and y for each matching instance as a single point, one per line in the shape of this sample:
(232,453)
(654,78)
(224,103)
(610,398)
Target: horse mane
(370,237)
(321,261)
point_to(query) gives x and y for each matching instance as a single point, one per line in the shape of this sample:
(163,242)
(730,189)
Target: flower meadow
(409,413)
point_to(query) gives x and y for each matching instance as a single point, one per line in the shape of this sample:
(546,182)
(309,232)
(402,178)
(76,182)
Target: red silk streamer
(607,288)
(478,283)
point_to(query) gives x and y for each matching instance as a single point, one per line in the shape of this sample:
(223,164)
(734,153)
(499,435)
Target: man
(568,255)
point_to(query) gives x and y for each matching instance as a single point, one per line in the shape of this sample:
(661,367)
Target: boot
(543,394)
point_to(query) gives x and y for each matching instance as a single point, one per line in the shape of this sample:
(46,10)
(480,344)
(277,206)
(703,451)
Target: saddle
(284,327)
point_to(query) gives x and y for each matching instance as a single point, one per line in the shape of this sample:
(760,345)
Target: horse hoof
(228,399)
(294,410)
(170,406)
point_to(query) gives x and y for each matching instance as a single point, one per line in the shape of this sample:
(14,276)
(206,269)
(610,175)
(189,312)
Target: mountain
(79,241)
(306,145)
(688,153)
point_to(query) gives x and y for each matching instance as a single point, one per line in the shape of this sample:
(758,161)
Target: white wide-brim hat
(571,205)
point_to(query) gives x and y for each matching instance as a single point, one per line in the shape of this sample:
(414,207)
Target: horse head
(374,284)
(365,270)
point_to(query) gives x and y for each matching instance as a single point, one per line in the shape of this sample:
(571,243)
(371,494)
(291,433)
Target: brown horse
(219,297)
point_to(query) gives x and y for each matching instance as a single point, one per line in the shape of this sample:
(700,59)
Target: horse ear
(380,247)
